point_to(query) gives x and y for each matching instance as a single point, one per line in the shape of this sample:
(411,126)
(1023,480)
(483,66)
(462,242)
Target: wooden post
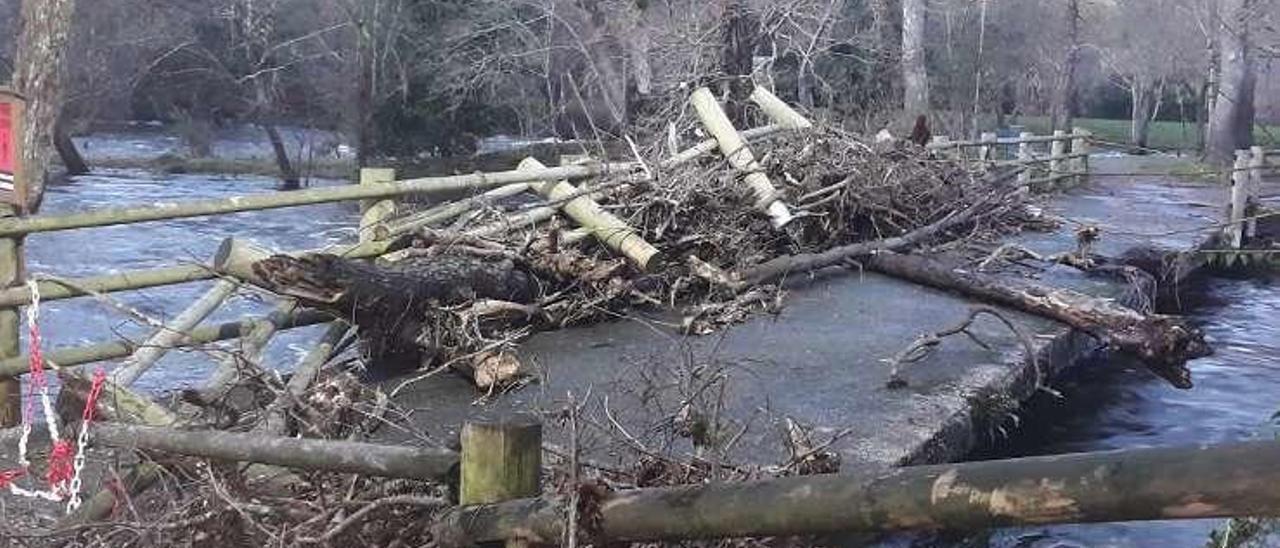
(986,151)
(501,461)
(608,228)
(10,275)
(1057,149)
(1239,198)
(1080,146)
(374,212)
(173,333)
(778,110)
(1257,164)
(734,147)
(11,254)
(1024,155)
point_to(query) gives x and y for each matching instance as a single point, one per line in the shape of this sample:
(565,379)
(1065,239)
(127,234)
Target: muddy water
(112,249)
(1115,404)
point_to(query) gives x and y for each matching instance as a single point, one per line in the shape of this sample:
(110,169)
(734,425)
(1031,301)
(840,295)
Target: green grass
(1164,135)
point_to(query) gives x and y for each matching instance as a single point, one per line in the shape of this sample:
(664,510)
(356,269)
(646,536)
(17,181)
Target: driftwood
(1163,343)
(391,461)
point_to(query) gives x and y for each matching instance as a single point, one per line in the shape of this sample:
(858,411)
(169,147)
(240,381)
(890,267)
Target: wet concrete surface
(822,359)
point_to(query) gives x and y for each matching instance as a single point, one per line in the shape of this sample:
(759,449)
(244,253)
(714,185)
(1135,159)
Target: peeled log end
(1164,344)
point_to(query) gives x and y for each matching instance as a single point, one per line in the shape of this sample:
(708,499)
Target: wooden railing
(1046,160)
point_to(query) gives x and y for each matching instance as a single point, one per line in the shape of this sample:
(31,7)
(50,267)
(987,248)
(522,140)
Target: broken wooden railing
(1126,485)
(377,192)
(1045,160)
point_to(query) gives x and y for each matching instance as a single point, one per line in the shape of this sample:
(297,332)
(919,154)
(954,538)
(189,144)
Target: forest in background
(409,78)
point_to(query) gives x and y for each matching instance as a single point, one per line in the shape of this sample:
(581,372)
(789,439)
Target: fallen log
(389,461)
(394,305)
(1163,343)
(1127,485)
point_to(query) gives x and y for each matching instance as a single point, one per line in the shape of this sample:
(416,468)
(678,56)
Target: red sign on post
(11,175)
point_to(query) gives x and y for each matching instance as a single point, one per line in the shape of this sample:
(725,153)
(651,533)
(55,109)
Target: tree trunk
(67,151)
(40,75)
(1063,108)
(394,306)
(289,179)
(1231,121)
(738,59)
(915,75)
(887,33)
(1163,343)
(1139,114)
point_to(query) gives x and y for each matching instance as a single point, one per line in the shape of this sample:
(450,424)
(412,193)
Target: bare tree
(915,74)
(1062,109)
(1231,121)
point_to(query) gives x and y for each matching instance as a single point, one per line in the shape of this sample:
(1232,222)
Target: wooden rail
(1127,485)
(376,190)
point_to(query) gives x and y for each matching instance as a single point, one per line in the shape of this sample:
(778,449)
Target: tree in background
(40,71)
(915,73)
(1231,120)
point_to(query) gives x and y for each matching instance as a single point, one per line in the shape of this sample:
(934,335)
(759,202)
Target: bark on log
(1163,343)
(1126,485)
(390,303)
(388,461)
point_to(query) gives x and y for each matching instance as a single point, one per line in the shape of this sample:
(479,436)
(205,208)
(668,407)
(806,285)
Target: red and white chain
(64,478)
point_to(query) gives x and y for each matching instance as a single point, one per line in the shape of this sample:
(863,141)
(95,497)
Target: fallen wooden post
(445,212)
(778,110)
(114,350)
(735,150)
(1163,343)
(173,333)
(1127,485)
(389,461)
(276,416)
(606,227)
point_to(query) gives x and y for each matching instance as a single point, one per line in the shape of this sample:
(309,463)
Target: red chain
(60,464)
(35,363)
(7,476)
(91,402)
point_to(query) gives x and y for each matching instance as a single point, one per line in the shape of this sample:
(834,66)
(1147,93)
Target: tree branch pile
(464,290)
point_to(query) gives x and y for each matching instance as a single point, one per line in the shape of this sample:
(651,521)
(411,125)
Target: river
(1115,404)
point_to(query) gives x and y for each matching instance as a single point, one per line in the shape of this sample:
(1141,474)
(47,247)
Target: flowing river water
(1107,405)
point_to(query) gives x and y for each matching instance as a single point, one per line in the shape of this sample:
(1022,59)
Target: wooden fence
(1046,160)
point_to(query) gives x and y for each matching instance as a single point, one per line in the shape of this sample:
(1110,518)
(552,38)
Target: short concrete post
(1024,157)
(987,150)
(375,211)
(1239,199)
(501,461)
(1080,148)
(1057,150)
(1257,164)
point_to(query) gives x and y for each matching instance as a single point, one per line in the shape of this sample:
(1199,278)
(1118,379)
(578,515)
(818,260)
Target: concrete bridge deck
(821,361)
